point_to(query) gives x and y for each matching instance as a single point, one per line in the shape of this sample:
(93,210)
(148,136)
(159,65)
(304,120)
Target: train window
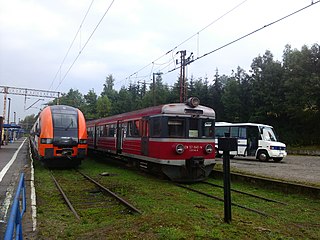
(207,128)
(145,128)
(155,129)
(133,129)
(193,128)
(176,127)
(111,130)
(89,132)
(37,129)
(101,131)
(98,131)
(105,130)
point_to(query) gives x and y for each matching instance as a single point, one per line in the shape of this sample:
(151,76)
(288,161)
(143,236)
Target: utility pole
(9,111)
(5,91)
(154,86)
(182,75)
(183,82)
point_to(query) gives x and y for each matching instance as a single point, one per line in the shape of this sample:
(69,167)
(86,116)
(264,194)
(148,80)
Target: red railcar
(174,139)
(59,136)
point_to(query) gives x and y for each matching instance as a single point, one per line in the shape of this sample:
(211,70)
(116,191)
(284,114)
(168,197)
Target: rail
(14,226)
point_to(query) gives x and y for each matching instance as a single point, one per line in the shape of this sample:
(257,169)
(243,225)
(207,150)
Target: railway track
(205,193)
(222,200)
(92,195)
(248,194)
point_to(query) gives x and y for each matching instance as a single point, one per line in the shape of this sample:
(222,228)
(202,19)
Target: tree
(123,103)
(215,95)
(90,107)
(108,88)
(231,101)
(160,95)
(73,98)
(267,89)
(103,106)
(28,122)
(302,82)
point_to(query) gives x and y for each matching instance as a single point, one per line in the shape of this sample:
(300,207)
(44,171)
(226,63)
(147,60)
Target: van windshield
(268,134)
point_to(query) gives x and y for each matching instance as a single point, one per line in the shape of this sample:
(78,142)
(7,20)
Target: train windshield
(176,127)
(66,121)
(190,127)
(65,125)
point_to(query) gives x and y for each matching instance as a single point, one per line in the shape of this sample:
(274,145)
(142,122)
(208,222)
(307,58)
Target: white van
(256,140)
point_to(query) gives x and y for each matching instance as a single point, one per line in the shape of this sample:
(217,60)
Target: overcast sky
(35,36)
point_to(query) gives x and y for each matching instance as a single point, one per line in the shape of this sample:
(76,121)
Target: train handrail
(14,226)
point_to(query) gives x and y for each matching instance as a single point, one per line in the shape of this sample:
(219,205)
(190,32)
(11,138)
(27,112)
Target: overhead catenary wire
(67,53)
(81,50)
(196,34)
(249,34)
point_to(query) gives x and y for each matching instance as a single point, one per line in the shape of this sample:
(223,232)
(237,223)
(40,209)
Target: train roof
(172,108)
(62,108)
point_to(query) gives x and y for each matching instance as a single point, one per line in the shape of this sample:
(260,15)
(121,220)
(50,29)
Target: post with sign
(227,144)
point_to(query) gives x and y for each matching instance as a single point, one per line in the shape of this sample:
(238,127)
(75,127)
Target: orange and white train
(59,136)
(174,139)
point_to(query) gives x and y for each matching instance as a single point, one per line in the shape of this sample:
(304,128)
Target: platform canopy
(12,125)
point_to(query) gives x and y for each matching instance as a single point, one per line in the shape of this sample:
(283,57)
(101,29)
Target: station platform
(14,159)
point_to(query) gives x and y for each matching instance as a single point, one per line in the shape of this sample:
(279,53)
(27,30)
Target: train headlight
(209,148)
(179,148)
(46,140)
(82,141)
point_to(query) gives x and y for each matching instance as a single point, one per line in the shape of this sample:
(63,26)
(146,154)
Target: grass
(169,212)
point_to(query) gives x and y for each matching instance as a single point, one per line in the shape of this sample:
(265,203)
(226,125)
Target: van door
(253,139)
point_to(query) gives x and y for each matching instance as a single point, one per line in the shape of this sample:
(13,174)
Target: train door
(145,137)
(95,137)
(253,139)
(119,137)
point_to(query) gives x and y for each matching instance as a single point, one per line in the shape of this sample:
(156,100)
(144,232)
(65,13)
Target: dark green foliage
(28,122)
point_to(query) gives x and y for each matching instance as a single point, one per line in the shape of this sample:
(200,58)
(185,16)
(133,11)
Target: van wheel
(263,156)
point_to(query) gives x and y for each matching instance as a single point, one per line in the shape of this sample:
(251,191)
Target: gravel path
(295,168)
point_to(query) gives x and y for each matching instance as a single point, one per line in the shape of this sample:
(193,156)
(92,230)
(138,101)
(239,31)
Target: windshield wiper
(71,124)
